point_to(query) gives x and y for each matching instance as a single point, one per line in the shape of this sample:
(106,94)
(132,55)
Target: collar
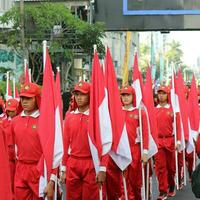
(35,114)
(165,106)
(78,112)
(130,109)
(2,115)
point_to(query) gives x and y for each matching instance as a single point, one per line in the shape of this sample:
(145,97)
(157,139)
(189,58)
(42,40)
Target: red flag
(149,103)
(8,88)
(47,130)
(180,87)
(193,111)
(120,152)
(100,130)
(5,184)
(144,103)
(27,75)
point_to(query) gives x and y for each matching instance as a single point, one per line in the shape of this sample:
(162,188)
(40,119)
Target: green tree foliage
(66,34)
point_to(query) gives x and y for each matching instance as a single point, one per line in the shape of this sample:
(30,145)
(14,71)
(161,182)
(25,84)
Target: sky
(190,44)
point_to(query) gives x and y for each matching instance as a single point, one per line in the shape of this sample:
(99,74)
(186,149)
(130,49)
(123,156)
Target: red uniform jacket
(132,125)
(76,142)
(165,120)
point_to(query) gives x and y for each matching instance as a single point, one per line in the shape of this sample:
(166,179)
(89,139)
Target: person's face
(127,99)
(162,96)
(81,99)
(29,104)
(11,113)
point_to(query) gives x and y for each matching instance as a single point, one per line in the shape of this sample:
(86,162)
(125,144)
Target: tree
(66,34)
(174,53)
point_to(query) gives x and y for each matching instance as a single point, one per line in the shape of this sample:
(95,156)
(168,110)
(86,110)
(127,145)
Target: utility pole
(22,28)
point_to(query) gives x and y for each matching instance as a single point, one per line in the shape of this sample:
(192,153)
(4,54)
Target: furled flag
(100,130)
(15,91)
(26,72)
(8,88)
(120,151)
(49,130)
(193,111)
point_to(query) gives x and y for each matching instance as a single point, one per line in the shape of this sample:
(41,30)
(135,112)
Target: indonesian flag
(15,91)
(149,104)
(142,102)
(179,87)
(120,151)
(193,111)
(49,129)
(5,184)
(8,88)
(26,72)
(100,130)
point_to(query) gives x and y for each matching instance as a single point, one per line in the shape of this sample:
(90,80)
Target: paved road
(184,194)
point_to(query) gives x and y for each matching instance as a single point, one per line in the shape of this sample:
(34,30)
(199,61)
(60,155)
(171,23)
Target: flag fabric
(26,72)
(149,104)
(8,88)
(193,112)
(100,130)
(143,102)
(179,87)
(15,91)
(120,151)
(49,129)
(126,58)
(5,184)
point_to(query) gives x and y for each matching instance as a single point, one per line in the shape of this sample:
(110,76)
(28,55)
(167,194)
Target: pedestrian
(78,168)
(165,158)
(29,151)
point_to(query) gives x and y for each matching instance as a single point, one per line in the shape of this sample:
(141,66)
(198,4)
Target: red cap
(82,86)
(30,90)
(163,88)
(12,105)
(127,90)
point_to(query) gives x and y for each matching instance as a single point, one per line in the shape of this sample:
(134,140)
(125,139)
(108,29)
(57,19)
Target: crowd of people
(20,142)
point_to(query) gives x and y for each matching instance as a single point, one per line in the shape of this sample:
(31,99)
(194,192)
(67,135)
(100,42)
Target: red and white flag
(142,102)
(193,111)
(26,72)
(15,91)
(120,151)
(180,91)
(8,87)
(49,130)
(151,116)
(100,130)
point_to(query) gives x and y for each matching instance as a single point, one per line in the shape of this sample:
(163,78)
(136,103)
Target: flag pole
(141,148)
(147,183)
(100,193)
(125,187)
(56,188)
(7,83)
(14,95)
(184,167)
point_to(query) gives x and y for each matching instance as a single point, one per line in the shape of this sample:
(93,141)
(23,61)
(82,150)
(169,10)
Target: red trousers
(165,168)
(180,166)
(189,161)
(81,180)
(113,180)
(134,173)
(26,182)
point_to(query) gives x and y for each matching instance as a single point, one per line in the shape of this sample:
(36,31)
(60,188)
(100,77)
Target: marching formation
(109,144)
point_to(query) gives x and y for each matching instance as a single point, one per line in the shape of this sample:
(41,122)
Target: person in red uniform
(11,111)
(134,170)
(78,168)
(2,111)
(29,151)
(165,158)
(5,184)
